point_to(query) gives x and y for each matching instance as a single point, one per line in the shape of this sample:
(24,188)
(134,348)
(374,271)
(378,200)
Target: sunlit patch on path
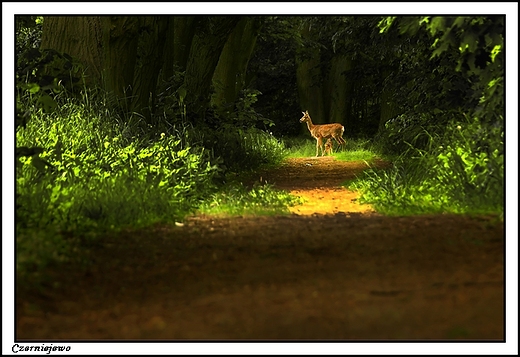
(328,200)
(318,181)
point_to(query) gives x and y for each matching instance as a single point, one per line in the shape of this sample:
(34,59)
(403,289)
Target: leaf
(47,103)
(182,93)
(32,88)
(470,41)
(26,151)
(39,163)
(442,48)
(460,22)
(437,24)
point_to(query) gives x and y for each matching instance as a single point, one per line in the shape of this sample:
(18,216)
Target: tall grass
(461,171)
(241,149)
(237,200)
(98,172)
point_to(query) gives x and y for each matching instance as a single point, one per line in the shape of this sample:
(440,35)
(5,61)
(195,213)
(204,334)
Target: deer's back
(327,130)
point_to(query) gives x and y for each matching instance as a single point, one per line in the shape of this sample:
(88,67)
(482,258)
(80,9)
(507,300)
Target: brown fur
(323,131)
(328,147)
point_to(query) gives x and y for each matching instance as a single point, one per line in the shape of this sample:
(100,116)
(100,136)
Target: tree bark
(229,76)
(340,89)
(120,38)
(309,79)
(209,40)
(180,32)
(151,45)
(81,38)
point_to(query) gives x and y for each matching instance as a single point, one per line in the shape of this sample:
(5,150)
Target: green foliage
(463,172)
(353,150)
(408,130)
(97,179)
(240,149)
(28,33)
(241,113)
(300,147)
(449,137)
(357,150)
(235,199)
(245,115)
(170,97)
(92,172)
(456,63)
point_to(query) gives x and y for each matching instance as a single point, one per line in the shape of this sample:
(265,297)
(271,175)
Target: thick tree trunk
(229,76)
(309,79)
(209,40)
(80,37)
(151,45)
(177,47)
(120,38)
(340,89)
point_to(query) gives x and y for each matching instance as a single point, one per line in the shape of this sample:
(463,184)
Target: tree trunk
(120,38)
(229,76)
(340,89)
(309,79)
(151,45)
(80,37)
(210,37)
(177,48)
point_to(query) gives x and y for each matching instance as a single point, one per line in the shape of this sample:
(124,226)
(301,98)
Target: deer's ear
(303,113)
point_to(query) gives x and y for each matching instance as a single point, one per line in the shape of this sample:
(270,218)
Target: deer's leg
(339,140)
(319,145)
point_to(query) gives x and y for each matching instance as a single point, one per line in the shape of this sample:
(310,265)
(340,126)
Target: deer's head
(306,117)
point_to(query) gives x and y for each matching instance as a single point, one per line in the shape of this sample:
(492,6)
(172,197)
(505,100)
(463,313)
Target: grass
(96,172)
(456,175)
(237,200)
(353,150)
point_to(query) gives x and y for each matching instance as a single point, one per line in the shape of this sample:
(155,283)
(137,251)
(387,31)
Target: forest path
(349,274)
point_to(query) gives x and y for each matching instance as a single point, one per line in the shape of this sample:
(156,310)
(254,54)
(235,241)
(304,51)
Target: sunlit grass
(97,173)
(299,147)
(237,200)
(455,177)
(353,150)
(356,155)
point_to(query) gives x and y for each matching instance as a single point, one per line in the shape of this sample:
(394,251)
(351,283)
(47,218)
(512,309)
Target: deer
(328,147)
(323,131)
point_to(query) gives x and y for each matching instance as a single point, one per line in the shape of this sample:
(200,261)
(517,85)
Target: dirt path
(331,270)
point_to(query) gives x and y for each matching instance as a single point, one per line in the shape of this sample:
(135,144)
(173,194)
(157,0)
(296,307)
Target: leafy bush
(89,177)
(92,171)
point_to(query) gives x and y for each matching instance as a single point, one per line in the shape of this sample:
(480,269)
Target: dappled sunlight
(328,201)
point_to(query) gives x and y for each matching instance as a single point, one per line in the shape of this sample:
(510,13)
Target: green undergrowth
(83,170)
(460,172)
(237,200)
(352,150)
